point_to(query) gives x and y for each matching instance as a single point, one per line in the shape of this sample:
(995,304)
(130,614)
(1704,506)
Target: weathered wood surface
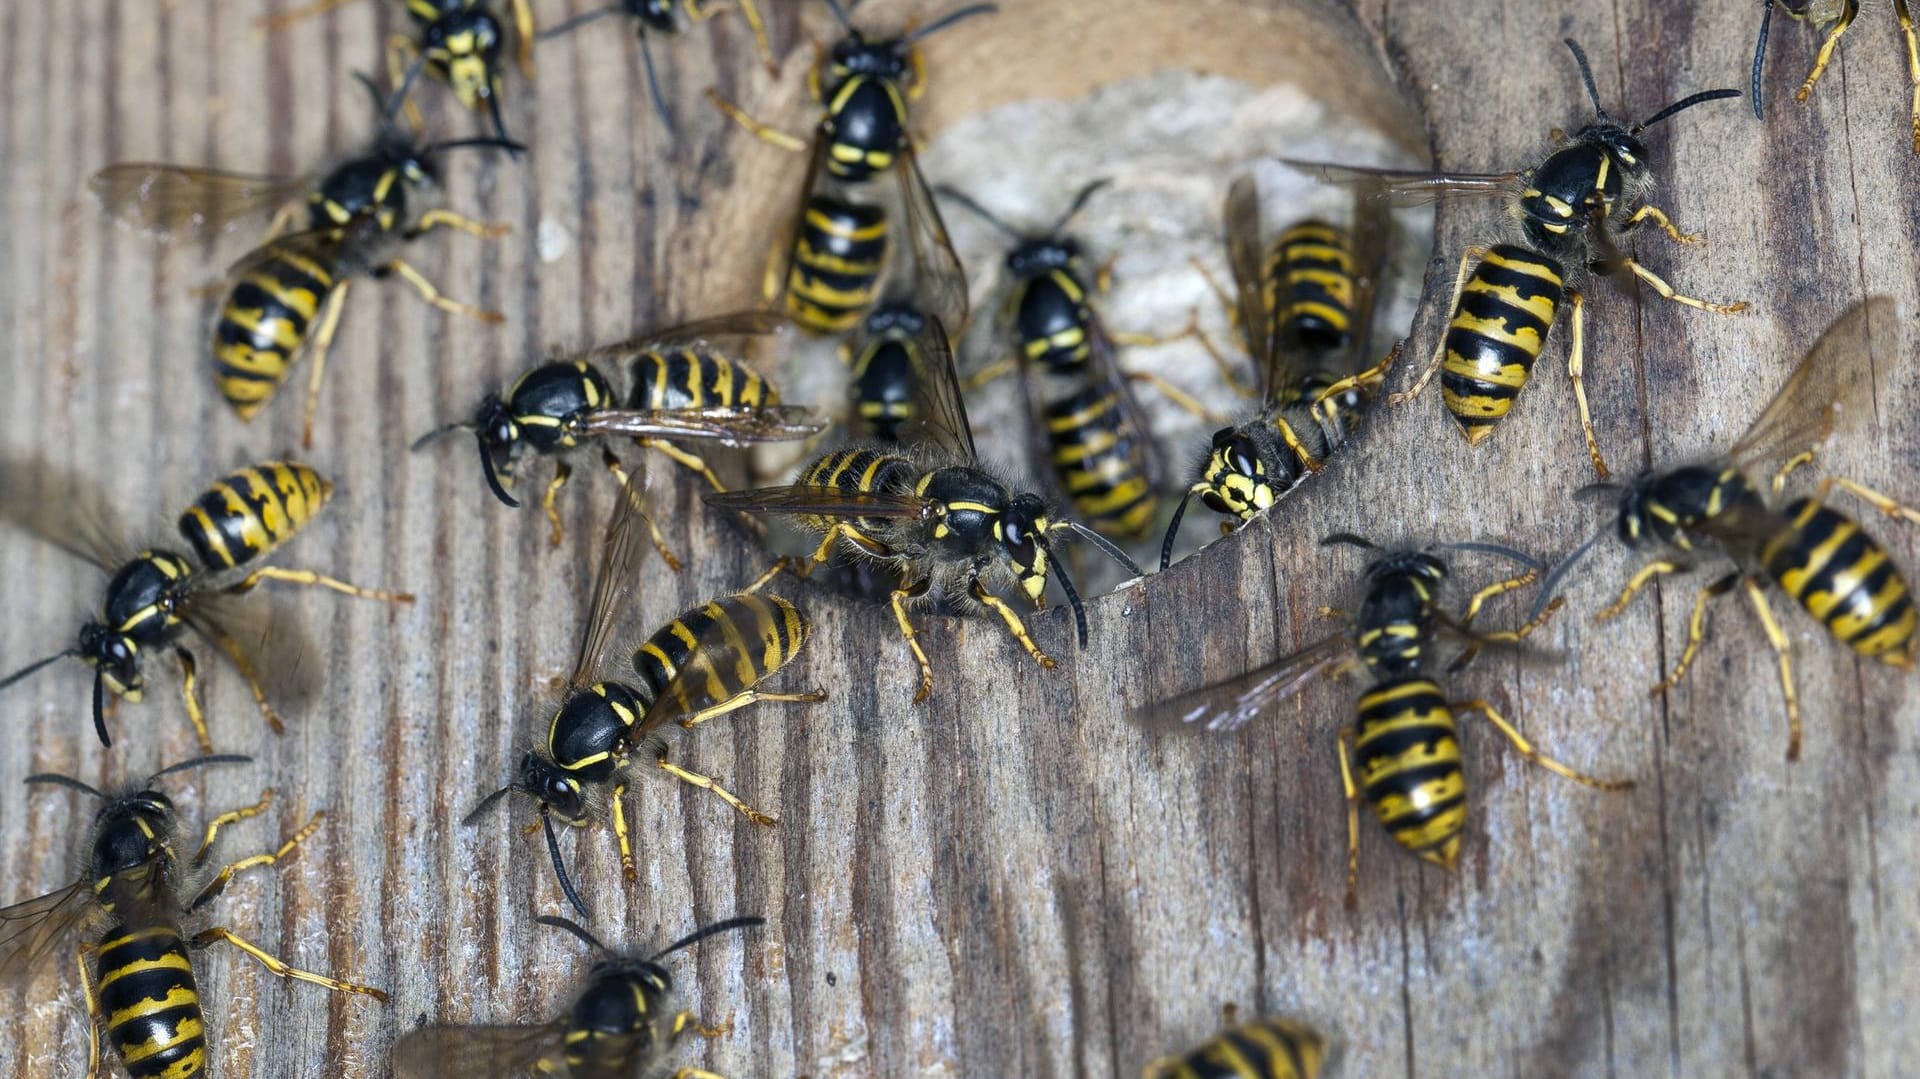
(1012,880)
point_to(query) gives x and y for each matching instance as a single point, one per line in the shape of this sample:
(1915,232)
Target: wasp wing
(620,555)
(66,509)
(800,498)
(1830,385)
(1228,705)
(29,929)
(750,323)
(1402,187)
(1279,369)
(780,261)
(162,198)
(732,425)
(256,637)
(939,285)
(724,660)
(939,412)
(318,245)
(498,1052)
(1371,233)
(1144,452)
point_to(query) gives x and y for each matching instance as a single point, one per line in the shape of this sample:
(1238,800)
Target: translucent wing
(780,266)
(1228,705)
(752,323)
(28,930)
(724,661)
(1247,256)
(1830,385)
(316,244)
(940,415)
(823,501)
(620,555)
(939,285)
(1145,449)
(1371,231)
(769,423)
(66,509)
(497,1052)
(174,198)
(1400,187)
(275,647)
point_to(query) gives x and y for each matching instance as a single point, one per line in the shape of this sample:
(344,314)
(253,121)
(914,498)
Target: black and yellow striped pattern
(881,109)
(716,652)
(264,323)
(1498,330)
(1310,285)
(1054,321)
(1261,1049)
(144,982)
(250,512)
(1843,577)
(882,387)
(1409,761)
(838,253)
(861,470)
(697,378)
(1100,462)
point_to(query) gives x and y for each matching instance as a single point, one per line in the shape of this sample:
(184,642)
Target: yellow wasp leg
(1576,367)
(1804,457)
(447,219)
(276,23)
(1467,258)
(899,602)
(687,1021)
(621,836)
(1825,57)
(779,566)
(432,295)
(1014,625)
(771,135)
(523,29)
(1220,362)
(1666,292)
(244,665)
(1871,497)
(1646,573)
(1367,381)
(1901,10)
(749,697)
(1305,456)
(190,693)
(314,580)
(699,12)
(322,344)
(842,530)
(283,220)
(707,783)
(281,969)
(1696,632)
(1659,217)
(1497,588)
(1180,398)
(81,953)
(219,882)
(1525,749)
(996,370)
(696,1073)
(1509,636)
(659,541)
(561,473)
(1784,651)
(683,458)
(401,53)
(232,816)
(1353,817)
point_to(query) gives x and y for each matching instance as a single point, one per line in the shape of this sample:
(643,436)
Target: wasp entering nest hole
(1123,122)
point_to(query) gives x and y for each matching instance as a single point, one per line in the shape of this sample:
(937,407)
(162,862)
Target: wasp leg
(1508,636)
(1353,817)
(231,816)
(771,135)
(1905,15)
(276,23)
(1825,56)
(315,580)
(1300,451)
(988,374)
(242,663)
(1525,749)
(621,836)
(1178,397)
(899,601)
(1696,631)
(780,565)
(1666,291)
(1646,573)
(322,345)
(1440,348)
(687,1021)
(401,53)
(281,969)
(447,219)
(1014,625)
(707,783)
(1497,588)
(843,530)
(1783,650)
(82,952)
(561,473)
(1576,368)
(432,295)
(659,541)
(1871,497)
(1368,382)
(523,29)
(810,697)
(190,693)
(282,222)
(683,458)
(1220,362)
(1659,217)
(696,1073)
(1804,457)
(219,882)
(1330,612)
(699,12)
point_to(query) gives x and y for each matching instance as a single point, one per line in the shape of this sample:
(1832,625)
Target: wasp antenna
(947,20)
(427,439)
(560,865)
(390,107)
(576,929)
(653,88)
(1173,530)
(840,13)
(1348,539)
(509,145)
(746,921)
(1586,75)
(1760,60)
(966,201)
(486,803)
(65,781)
(570,25)
(35,666)
(100,706)
(200,762)
(493,475)
(1073,594)
(1498,549)
(1106,547)
(1551,581)
(1683,104)
(1079,203)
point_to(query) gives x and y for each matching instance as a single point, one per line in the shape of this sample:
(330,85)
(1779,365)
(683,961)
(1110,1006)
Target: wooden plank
(1013,879)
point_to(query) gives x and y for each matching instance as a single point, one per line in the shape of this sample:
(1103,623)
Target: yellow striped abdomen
(834,274)
(1310,285)
(263,324)
(716,652)
(1409,762)
(1101,462)
(1498,330)
(1261,1049)
(144,982)
(697,378)
(250,512)
(1844,578)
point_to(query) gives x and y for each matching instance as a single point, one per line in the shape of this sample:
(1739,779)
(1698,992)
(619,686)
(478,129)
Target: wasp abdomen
(1844,578)
(697,378)
(1409,763)
(1261,1049)
(1098,457)
(837,257)
(734,643)
(1310,285)
(1498,330)
(250,512)
(146,990)
(264,322)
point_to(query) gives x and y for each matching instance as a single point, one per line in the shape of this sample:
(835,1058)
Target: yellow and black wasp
(135,957)
(616,1029)
(1403,743)
(827,269)
(927,509)
(661,17)
(689,382)
(1820,557)
(1269,1048)
(1833,18)
(1570,207)
(155,596)
(1304,305)
(706,663)
(882,364)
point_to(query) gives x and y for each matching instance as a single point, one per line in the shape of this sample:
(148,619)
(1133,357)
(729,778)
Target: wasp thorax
(1034,257)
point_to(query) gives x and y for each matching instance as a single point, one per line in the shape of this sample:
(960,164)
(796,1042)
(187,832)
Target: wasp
(1268,1048)
(954,532)
(685,386)
(882,363)
(661,17)
(1403,743)
(1304,304)
(616,1028)
(1833,18)
(1818,556)
(827,267)
(1570,207)
(706,663)
(155,596)
(134,956)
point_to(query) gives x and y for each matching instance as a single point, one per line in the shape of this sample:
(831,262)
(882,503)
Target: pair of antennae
(695,937)
(1105,547)
(1593,92)
(494,482)
(646,56)
(921,33)
(1079,203)
(388,106)
(58,780)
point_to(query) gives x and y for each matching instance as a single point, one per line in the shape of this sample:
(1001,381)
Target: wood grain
(1012,880)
